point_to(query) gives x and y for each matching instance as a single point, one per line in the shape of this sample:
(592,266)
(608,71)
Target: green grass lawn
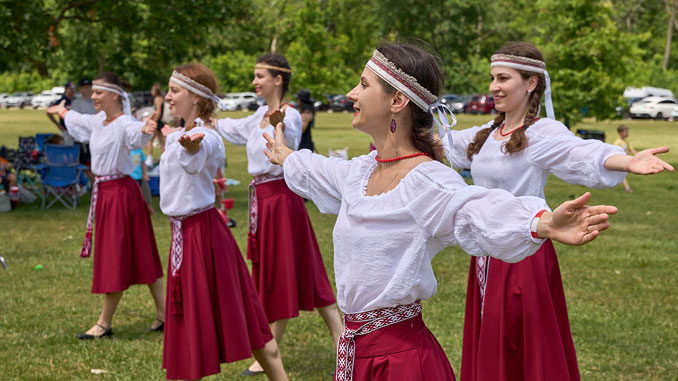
(622,289)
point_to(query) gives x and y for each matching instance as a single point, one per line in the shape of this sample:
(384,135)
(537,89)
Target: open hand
(151,125)
(276,117)
(277,149)
(646,163)
(191,143)
(57,109)
(574,222)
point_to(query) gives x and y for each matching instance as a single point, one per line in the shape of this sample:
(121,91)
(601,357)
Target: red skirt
(524,333)
(221,318)
(125,252)
(403,351)
(287,267)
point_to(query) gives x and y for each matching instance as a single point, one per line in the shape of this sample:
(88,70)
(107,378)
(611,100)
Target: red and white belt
(177,248)
(87,242)
(373,320)
(253,207)
(482,270)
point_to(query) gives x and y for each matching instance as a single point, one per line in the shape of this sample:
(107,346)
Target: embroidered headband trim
(195,87)
(402,81)
(531,65)
(271,67)
(99,84)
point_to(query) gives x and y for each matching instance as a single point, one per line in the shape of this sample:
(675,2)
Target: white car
(45,99)
(653,107)
(239,101)
(18,99)
(674,114)
(3,98)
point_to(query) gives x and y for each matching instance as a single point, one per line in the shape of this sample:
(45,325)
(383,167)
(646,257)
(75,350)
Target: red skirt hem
(221,318)
(125,252)
(524,333)
(288,271)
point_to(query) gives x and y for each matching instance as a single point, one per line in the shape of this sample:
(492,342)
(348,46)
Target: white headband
(402,81)
(196,88)
(531,65)
(101,85)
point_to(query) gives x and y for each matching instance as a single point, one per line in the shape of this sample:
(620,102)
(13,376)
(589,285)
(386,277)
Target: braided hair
(518,140)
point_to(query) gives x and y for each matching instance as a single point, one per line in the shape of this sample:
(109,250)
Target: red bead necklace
(402,157)
(113,118)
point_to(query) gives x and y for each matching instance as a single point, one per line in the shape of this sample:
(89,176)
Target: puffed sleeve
(456,153)
(195,163)
(237,131)
(80,126)
(481,221)
(134,138)
(316,177)
(553,147)
(293,131)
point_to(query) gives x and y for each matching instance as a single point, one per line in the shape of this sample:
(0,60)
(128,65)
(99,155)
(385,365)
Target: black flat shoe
(248,372)
(159,328)
(108,332)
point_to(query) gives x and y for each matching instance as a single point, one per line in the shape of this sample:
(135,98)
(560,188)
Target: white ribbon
(126,106)
(441,120)
(196,88)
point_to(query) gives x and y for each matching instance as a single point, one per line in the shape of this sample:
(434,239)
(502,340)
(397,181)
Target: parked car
(341,103)
(19,99)
(456,103)
(481,104)
(674,114)
(3,98)
(45,98)
(653,107)
(256,103)
(238,101)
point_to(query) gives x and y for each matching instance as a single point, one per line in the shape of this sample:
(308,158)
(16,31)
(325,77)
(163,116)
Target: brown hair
(113,78)
(279,60)
(518,140)
(622,127)
(155,90)
(204,76)
(425,67)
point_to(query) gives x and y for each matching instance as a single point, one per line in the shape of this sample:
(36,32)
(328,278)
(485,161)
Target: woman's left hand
(575,223)
(646,163)
(151,125)
(191,143)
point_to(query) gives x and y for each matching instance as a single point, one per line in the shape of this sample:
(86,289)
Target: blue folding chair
(60,175)
(40,141)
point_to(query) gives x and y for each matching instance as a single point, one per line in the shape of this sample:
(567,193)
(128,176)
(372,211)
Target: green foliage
(233,70)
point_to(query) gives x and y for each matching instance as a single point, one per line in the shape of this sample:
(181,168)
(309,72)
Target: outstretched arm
(643,163)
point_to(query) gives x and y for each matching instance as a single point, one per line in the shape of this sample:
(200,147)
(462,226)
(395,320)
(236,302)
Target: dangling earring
(393,123)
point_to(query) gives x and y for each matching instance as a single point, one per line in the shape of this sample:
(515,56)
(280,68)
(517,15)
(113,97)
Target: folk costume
(287,266)
(382,278)
(516,325)
(125,248)
(213,313)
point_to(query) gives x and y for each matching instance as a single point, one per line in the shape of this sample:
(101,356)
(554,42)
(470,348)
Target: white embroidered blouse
(186,179)
(109,145)
(384,244)
(248,132)
(551,148)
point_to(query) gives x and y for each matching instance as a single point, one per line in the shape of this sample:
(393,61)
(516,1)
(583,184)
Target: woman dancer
(516,325)
(287,267)
(126,252)
(214,313)
(398,206)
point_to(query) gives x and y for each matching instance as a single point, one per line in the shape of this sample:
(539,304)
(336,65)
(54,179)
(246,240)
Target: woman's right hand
(191,143)
(277,150)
